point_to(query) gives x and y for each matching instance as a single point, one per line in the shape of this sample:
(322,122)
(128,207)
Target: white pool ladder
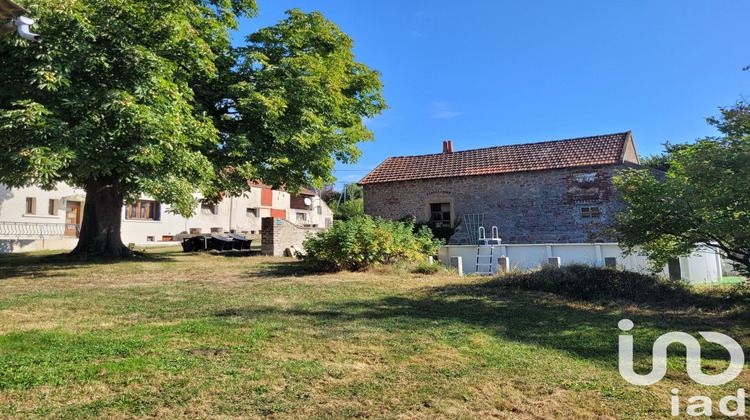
(486,252)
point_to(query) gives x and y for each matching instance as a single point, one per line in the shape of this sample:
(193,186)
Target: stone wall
(527,207)
(277,235)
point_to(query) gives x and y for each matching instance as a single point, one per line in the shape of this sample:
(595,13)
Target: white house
(34,219)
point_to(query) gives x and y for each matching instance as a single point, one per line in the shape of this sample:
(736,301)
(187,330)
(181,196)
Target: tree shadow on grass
(607,286)
(236,253)
(24,265)
(586,333)
(290,268)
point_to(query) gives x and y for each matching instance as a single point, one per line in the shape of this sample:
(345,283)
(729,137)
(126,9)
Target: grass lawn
(731,280)
(206,335)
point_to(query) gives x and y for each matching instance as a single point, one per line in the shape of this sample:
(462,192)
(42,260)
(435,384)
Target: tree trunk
(100,227)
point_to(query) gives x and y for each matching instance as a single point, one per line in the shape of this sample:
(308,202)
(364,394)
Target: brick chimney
(448,146)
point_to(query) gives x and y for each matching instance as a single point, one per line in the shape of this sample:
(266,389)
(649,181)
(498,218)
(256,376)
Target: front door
(72,218)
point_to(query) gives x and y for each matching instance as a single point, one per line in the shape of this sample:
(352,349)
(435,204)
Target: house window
(320,209)
(301,217)
(593,212)
(143,210)
(329,222)
(30,205)
(440,214)
(252,212)
(209,208)
(52,209)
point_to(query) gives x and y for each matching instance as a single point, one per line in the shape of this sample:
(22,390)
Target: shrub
(348,209)
(598,283)
(424,267)
(362,242)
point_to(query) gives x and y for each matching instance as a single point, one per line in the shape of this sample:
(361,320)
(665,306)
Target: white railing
(19,230)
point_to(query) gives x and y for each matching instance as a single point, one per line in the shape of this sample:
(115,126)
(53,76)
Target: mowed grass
(732,280)
(213,336)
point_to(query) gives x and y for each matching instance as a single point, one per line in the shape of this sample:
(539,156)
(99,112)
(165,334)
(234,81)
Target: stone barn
(548,192)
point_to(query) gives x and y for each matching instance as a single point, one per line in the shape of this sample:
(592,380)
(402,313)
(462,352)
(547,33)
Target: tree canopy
(703,198)
(347,203)
(661,161)
(131,97)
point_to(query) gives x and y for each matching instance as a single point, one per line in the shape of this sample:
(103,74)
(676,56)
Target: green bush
(348,209)
(605,284)
(362,242)
(585,282)
(424,267)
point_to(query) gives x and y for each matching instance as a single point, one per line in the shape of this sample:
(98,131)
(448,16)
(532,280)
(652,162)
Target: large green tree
(131,97)
(661,161)
(703,198)
(347,203)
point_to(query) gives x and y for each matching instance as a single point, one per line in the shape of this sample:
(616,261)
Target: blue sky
(490,73)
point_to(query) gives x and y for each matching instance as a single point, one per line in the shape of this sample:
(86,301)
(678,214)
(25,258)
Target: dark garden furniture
(220,243)
(216,243)
(196,243)
(240,242)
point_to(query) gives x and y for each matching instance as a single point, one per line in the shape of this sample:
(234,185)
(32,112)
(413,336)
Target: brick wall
(527,207)
(279,234)
(298,202)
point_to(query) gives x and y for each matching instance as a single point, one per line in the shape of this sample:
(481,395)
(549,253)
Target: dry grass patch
(205,335)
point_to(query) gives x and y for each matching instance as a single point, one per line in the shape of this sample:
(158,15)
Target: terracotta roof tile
(594,150)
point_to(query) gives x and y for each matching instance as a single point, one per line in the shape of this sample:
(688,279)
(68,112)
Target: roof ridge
(508,145)
(573,152)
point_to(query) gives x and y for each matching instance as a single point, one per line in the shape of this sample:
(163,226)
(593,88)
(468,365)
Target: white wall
(13,203)
(703,266)
(231,214)
(141,231)
(28,245)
